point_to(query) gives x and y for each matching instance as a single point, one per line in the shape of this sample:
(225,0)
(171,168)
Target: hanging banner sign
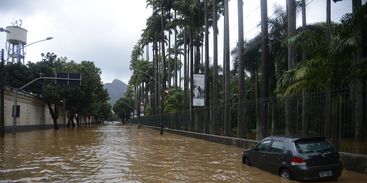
(198,90)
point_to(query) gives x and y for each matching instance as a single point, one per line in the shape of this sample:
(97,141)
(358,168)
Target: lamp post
(14,114)
(18,50)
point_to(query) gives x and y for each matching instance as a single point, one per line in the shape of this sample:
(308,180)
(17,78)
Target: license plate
(326,173)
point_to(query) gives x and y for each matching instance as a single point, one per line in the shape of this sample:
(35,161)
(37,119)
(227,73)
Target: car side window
(263,146)
(277,147)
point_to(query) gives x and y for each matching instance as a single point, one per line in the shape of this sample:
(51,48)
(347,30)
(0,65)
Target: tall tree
(291,14)
(265,70)
(214,116)
(227,83)
(207,107)
(241,123)
(303,4)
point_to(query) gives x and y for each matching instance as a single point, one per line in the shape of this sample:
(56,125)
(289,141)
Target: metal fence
(339,114)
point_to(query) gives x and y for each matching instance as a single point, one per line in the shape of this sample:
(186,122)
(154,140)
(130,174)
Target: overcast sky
(104,31)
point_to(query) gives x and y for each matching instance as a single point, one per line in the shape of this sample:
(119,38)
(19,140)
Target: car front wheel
(285,174)
(246,161)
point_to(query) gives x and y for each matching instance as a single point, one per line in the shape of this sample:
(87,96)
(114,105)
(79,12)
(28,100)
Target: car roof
(293,137)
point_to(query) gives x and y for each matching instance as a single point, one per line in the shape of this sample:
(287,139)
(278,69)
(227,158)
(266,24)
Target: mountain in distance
(115,90)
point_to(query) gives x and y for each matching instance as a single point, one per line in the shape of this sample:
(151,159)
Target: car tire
(246,161)
(285,174)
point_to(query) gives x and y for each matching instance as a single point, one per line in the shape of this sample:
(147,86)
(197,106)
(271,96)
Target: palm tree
(214,117)
(227,84)
(151,34)
(242,123)
(265,70)
(291,13)
(207,107)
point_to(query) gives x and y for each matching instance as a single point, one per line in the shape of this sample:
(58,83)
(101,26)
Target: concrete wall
(34,113)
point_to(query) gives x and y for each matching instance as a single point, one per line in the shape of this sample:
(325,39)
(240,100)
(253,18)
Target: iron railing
(338,114)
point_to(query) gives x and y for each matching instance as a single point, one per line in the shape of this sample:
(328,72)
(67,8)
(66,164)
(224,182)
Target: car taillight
(297,161)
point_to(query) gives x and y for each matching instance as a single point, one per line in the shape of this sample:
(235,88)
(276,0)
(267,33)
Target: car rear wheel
(285,174)
(246,161)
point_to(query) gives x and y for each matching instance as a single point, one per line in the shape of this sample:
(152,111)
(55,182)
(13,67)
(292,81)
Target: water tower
(16,39)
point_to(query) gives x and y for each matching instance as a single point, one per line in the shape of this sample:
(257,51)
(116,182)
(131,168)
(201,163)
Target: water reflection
(125,154)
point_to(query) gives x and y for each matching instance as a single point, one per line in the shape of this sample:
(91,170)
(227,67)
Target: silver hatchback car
(300,158)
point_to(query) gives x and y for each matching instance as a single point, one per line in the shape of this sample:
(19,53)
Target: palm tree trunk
(169,66)
(206,88)
(356,87)
(303,4)
(327,109)
(186,76)
(156,84)
(291,11)
(356,5)
(191,78)
(227,82)
(176,49)
(265,70)
(163,53)
(214,117)
(257,96)
(305,122)
(328,19)
(241,123)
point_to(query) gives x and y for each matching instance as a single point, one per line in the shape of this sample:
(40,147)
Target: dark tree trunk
(303,4)
(207,107)
(186,80)
(305,98)
(77,119)
(169,66)
(54,112)
(214,114)
(264,117)
(156,84)
(227,82)
(356,86)
(241,123)
(163,54)
(176,61)
(291,15)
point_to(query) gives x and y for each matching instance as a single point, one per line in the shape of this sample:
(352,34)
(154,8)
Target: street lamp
(46,39)
(32,43)
(16,89)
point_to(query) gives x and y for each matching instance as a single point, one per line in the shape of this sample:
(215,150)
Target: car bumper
(313,173)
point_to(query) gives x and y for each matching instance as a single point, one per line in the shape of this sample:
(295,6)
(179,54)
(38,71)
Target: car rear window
(313,145)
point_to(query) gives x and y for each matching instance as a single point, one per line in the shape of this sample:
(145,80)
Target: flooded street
(115,153)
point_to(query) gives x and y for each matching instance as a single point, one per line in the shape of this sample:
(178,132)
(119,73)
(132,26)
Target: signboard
(141,109)
(76,79)
(198,90)
(68,79)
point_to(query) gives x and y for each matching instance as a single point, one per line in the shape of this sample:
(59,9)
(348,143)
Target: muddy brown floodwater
(116,153)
